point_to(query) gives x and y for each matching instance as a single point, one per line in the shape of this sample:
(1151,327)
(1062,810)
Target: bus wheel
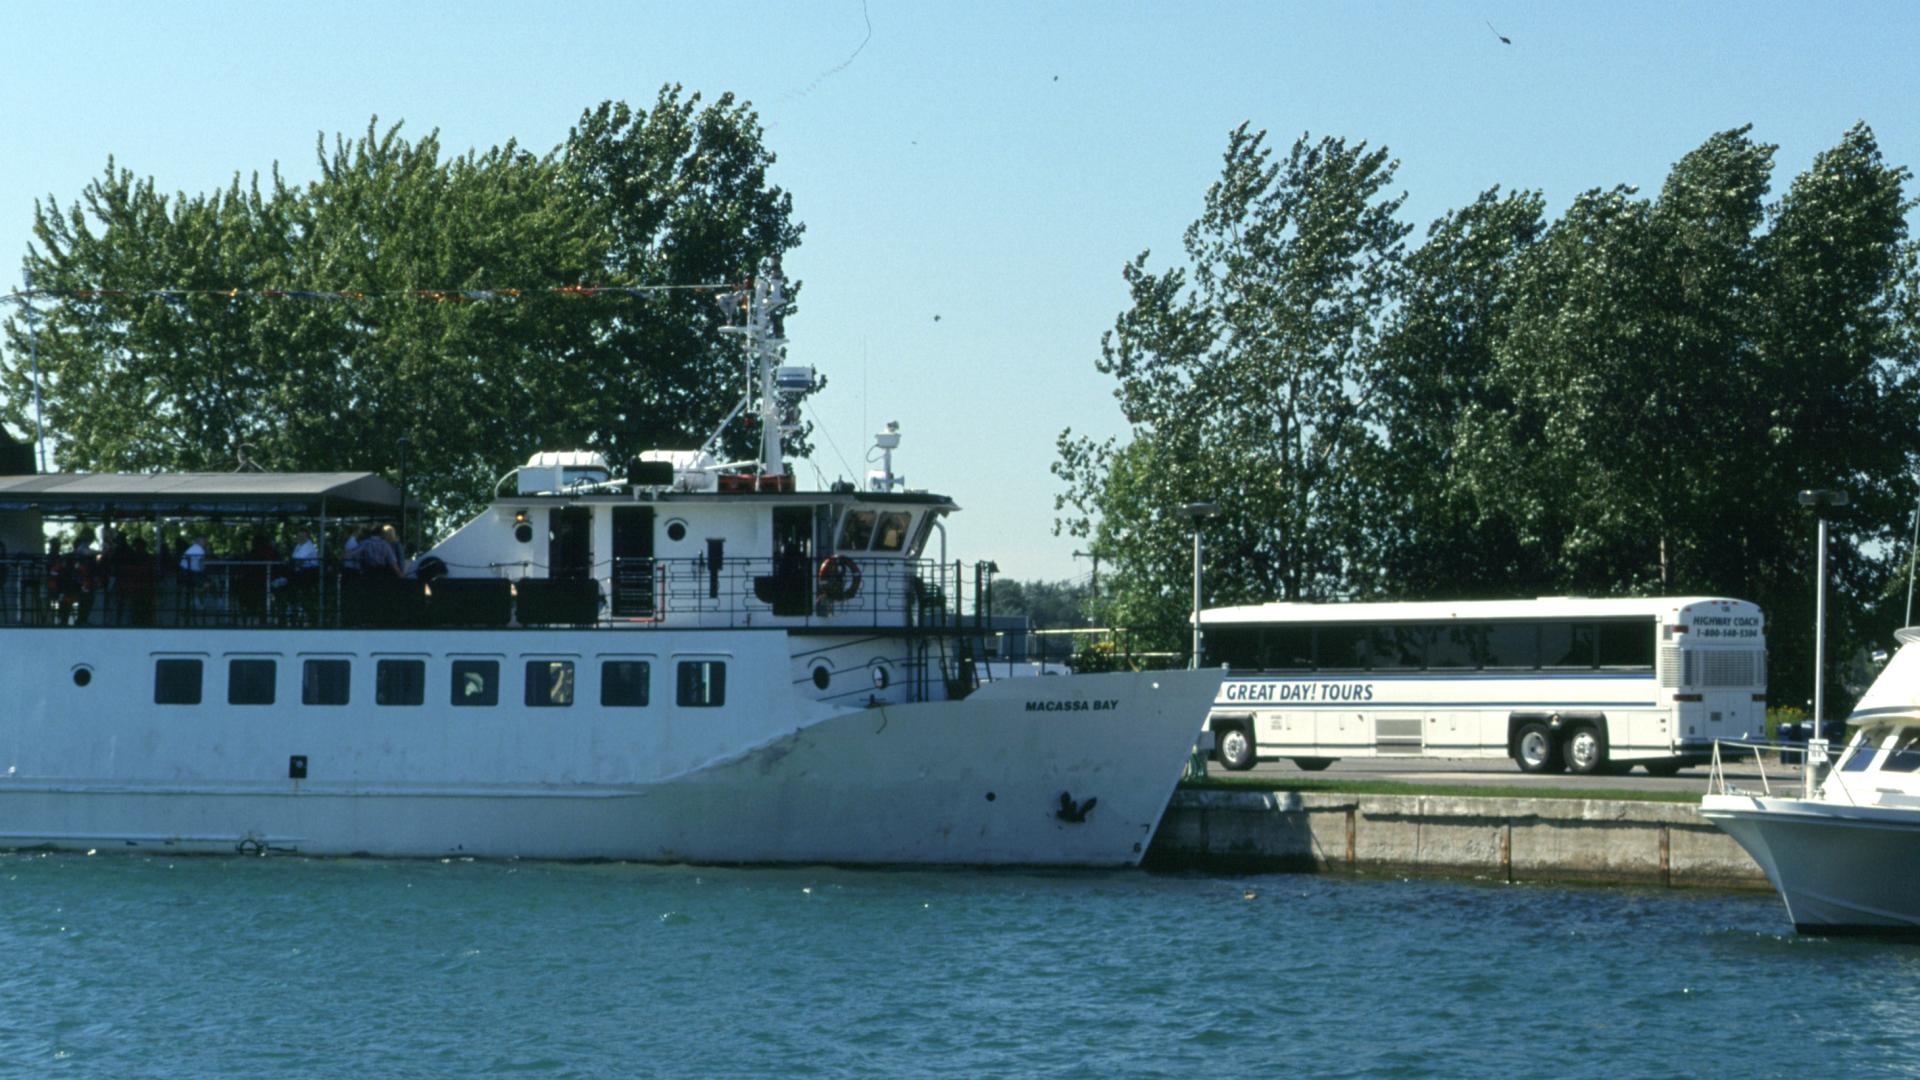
(1584,753)
(1235,748)
(1313,764)
(1535,751)
(1662,768)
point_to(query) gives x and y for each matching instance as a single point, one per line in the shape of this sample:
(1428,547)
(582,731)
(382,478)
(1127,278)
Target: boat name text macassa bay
(1072,706)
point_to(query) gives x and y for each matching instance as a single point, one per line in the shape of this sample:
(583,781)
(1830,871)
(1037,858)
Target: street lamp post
(1819,499)
(1198,512)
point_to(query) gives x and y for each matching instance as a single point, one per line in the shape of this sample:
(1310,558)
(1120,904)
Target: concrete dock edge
(1504,839)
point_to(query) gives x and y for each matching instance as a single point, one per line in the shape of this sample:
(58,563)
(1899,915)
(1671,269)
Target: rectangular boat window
(1627,645)
(549,683)
(400,682)
(324,682)
(1512,646)
(892,531)
(624,683)
(476,682)
(857,532)
(703,684)
(176,682)
(250,682)
(1568,645)
(1905,755)
(1456,646)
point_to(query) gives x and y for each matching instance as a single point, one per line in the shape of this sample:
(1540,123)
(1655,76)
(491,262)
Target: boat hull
(1838,869)
(1057,771)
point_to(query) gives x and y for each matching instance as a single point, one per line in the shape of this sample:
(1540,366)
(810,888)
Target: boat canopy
(335,494)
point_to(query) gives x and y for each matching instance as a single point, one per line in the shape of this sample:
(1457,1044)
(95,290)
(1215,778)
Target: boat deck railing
(890,594)
(1791,775)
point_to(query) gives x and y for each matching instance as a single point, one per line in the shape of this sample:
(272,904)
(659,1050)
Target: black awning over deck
(339,494)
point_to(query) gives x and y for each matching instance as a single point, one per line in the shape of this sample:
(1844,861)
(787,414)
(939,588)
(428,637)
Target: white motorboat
(1844,851)
(688,660)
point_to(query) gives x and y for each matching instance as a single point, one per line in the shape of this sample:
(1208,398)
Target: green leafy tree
(452,340)
(1438,534)
(1247,377)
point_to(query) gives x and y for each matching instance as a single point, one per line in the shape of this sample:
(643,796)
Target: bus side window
(1397,648)
(1342,647)
(1512,645)
(1568,645)
(1626,645)
(1238,647)
(1290,648)
(1457,645)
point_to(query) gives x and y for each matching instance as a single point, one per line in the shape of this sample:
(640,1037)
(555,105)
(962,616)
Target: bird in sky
(1504,39)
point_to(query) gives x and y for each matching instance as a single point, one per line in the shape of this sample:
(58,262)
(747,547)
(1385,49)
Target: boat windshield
(1864,748)
(1905,755)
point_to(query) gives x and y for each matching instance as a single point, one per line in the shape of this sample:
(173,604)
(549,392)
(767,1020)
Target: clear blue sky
(991,163)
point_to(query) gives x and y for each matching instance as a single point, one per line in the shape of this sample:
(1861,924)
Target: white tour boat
(685,660)
(1845,851)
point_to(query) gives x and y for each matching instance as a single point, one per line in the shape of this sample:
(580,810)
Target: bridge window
(549,683)
(702,684)
(250,682)
(857,532)
(892,531)
(624,683)
(325,682)
(176,682)
(400,682)
(476,682)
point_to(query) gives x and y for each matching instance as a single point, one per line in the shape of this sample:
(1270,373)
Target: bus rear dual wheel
(1579,750)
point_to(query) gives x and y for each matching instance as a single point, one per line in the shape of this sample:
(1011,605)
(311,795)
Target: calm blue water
(119,966)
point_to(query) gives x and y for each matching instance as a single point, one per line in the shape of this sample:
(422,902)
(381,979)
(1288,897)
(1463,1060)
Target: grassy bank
(1472,791)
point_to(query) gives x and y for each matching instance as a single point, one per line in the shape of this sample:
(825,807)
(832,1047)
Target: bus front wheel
(1585,753)
(1235,748)
(1535,750)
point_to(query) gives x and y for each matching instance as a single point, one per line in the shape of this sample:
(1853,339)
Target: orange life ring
(839,578)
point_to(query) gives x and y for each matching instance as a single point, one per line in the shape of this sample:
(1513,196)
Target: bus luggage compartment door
(1397,735)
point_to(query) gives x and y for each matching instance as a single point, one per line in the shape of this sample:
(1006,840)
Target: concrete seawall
(1592,840)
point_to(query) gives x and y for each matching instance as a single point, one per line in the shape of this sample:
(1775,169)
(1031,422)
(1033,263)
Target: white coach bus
(1557,683)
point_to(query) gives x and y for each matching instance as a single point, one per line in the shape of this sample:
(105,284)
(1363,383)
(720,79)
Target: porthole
(82,675)
(523,532)
(676,531)
(822,676)
(880,678)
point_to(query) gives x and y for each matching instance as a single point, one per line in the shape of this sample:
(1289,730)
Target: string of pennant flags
(439,296)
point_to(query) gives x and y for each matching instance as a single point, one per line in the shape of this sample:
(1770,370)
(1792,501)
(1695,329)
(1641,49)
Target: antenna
(772,389)
(33,339)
